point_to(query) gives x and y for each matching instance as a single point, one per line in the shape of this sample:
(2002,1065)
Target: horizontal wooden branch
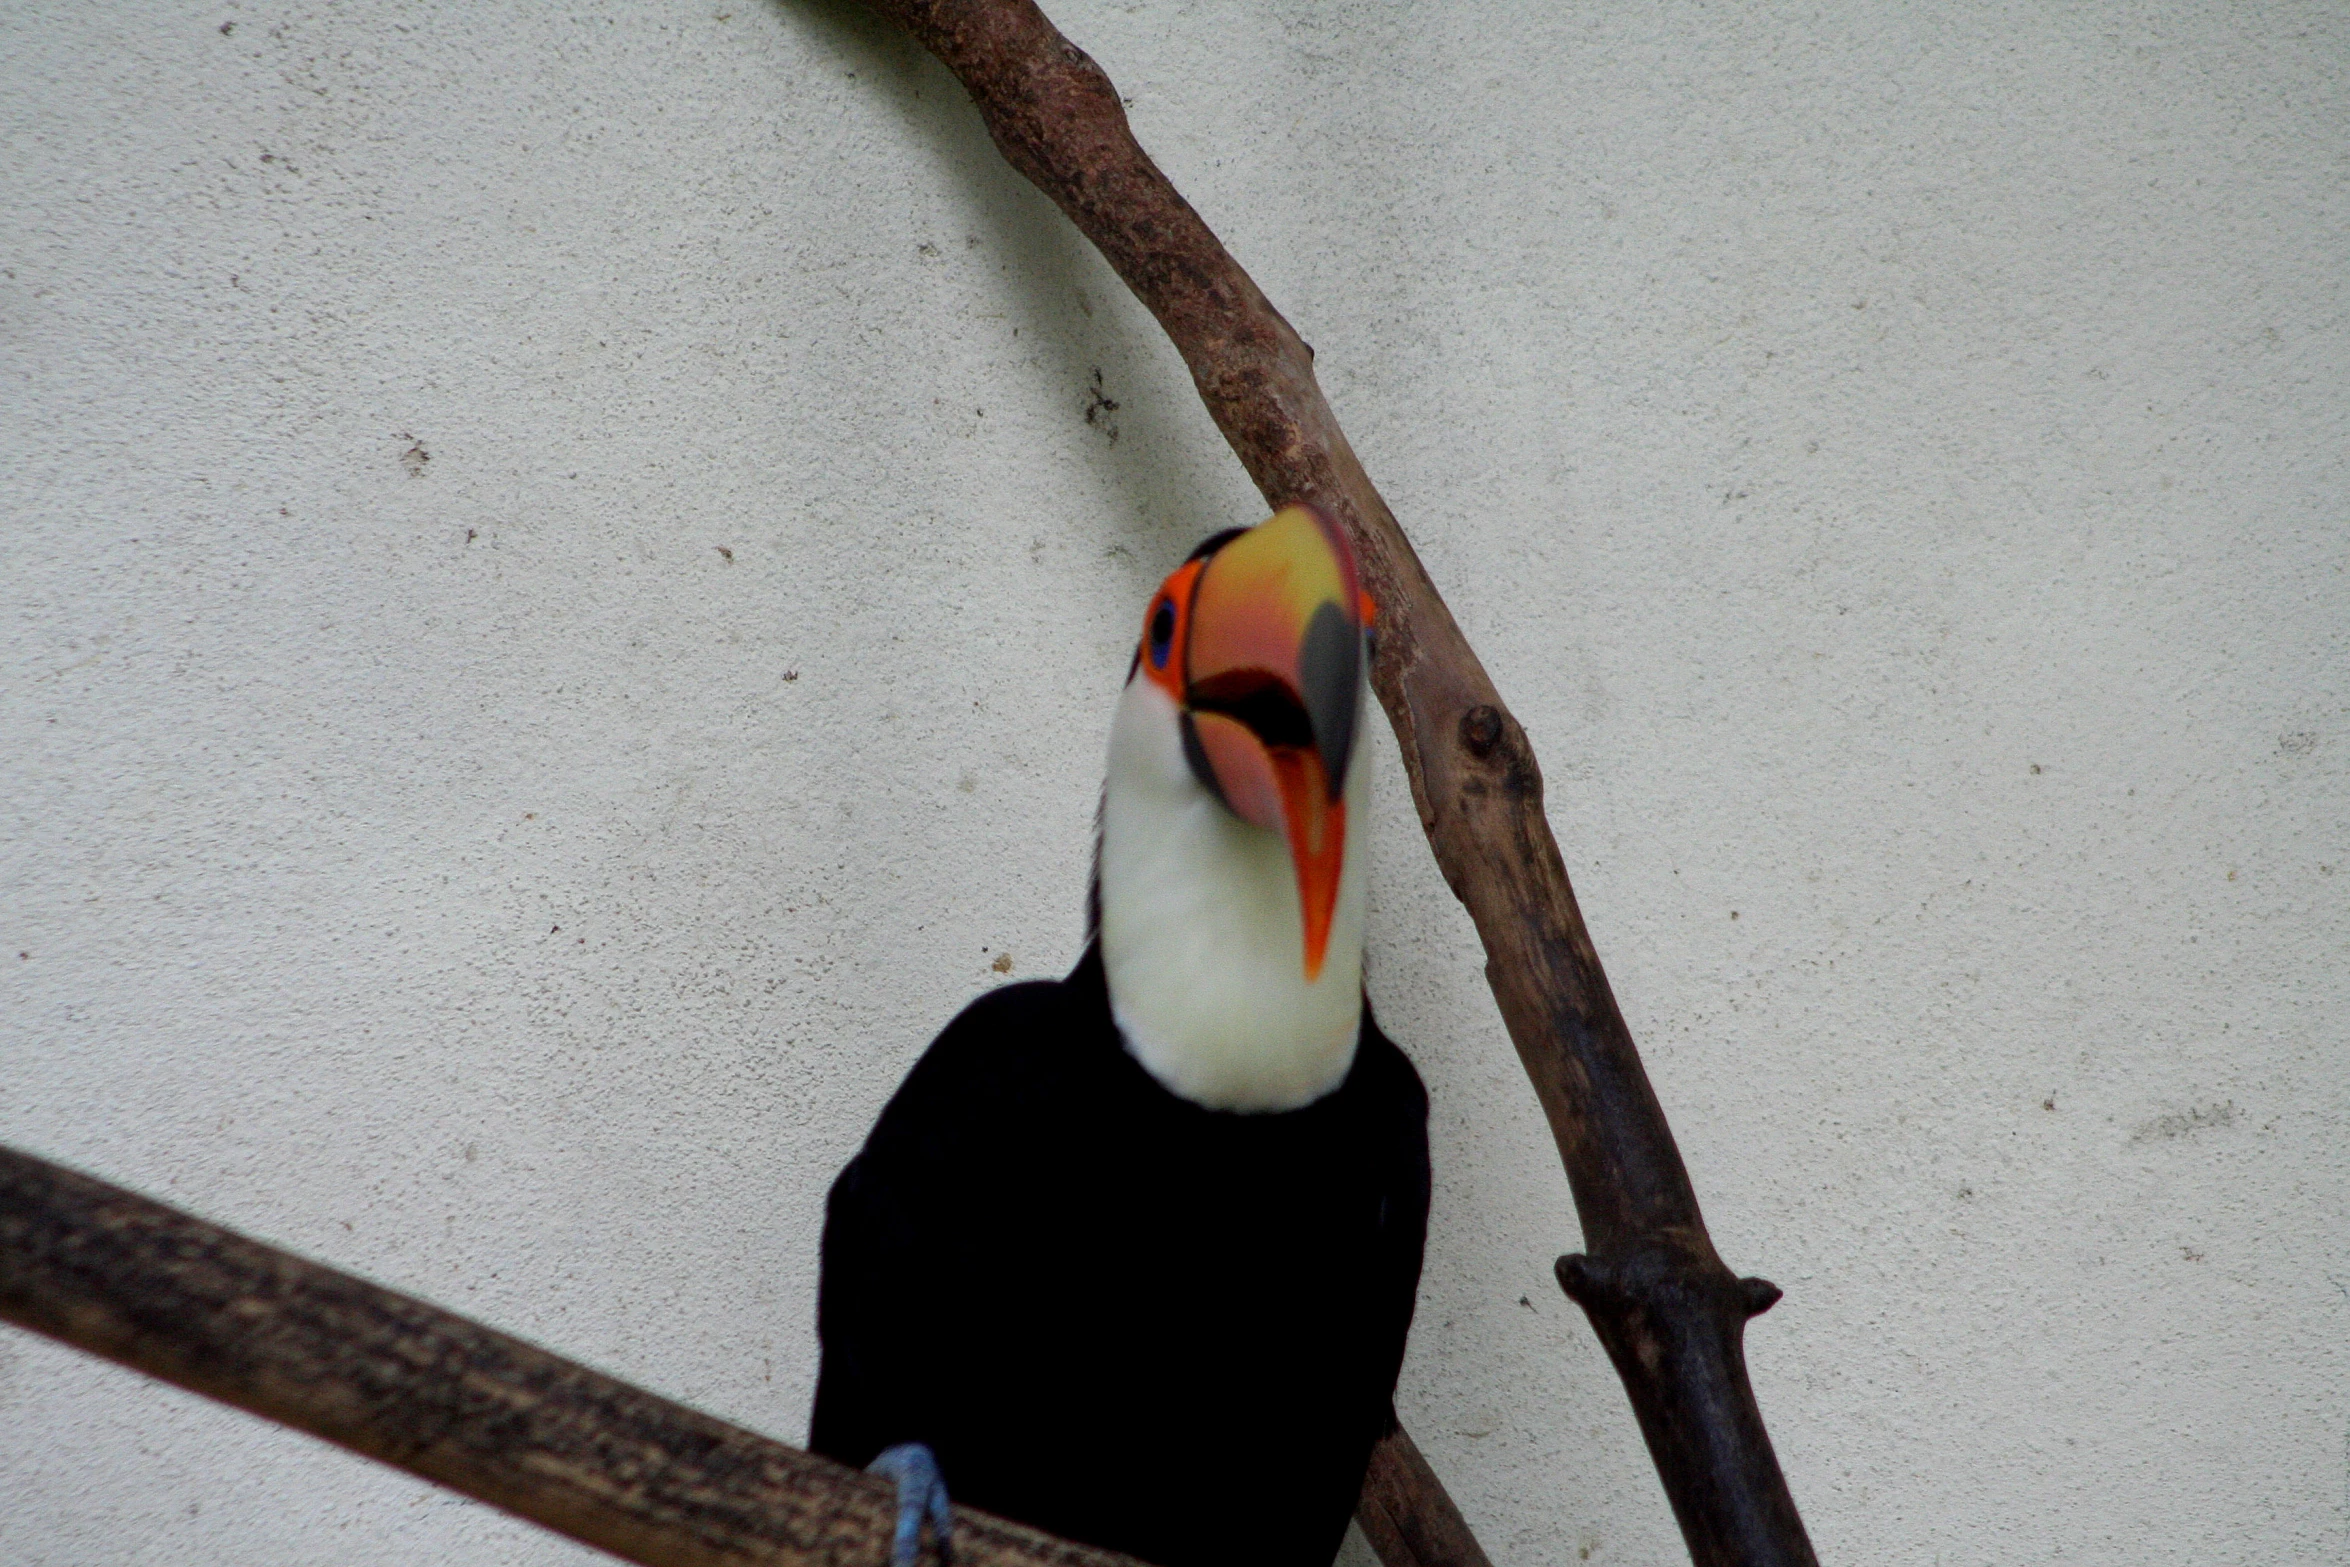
(424,1390)
(1671,1314)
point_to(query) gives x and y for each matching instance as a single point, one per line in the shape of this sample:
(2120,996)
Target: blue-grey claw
(922,1493)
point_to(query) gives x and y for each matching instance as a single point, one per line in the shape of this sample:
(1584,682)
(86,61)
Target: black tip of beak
(1330,665)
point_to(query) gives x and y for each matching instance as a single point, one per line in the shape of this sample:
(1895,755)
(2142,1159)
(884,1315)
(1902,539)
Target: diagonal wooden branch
(1670,1314)
(421,1389)
(1406,1514)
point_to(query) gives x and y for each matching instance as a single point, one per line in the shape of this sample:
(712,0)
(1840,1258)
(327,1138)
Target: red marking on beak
(1281,788)
(1316,825)
(1241,768)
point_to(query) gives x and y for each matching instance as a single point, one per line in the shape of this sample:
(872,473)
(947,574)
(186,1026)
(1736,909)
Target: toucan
(1131,1255)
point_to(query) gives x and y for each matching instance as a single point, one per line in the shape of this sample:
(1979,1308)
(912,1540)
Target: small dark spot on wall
(1002,963)
(472,1153)
(790,675)
(471,535)
(554,930)
(2035,768)
(1098,411)
(1733,914)
(415,457)
(1523,1301)
(227,28)
(724,553)
(2048,1103)
(2299,743)
(2182,1123)
(2190,1253)
(24,957)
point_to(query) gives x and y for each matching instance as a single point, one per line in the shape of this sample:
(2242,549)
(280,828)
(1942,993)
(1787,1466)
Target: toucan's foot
(922,1493)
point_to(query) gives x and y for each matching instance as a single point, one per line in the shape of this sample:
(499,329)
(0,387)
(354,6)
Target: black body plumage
(1114,1314)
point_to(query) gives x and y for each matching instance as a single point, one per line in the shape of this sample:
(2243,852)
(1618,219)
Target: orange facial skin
(1170,611)
(1259,644)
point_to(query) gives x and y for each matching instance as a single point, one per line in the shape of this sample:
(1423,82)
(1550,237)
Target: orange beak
(1272,683)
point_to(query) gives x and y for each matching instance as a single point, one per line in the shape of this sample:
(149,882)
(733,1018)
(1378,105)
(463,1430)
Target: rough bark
(1406,1514)
(416,1387)
(1670,1313)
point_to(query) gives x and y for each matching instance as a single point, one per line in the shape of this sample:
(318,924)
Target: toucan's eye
(1162,633)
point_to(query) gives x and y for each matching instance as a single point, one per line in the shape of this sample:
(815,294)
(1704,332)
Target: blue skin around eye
(922,1493)
(1162,635)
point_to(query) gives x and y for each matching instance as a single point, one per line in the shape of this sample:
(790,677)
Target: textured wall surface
(566,568)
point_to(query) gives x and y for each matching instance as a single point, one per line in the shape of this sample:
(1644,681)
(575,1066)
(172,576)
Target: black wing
(914,1226)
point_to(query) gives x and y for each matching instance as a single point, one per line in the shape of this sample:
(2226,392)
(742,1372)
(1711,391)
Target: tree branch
(1406,1514)
(1671,1315)
(423,1390)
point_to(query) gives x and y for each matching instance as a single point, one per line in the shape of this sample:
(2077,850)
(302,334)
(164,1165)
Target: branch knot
(1651,1277)
(1481,729)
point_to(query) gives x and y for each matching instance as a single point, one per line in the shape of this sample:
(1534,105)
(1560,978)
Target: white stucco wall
(1893,459)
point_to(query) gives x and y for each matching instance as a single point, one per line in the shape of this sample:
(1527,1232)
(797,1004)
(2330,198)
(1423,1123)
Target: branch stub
(1481,729)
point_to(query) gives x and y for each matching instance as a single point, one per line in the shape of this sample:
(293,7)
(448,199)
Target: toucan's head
(1225,865)
(1258,639)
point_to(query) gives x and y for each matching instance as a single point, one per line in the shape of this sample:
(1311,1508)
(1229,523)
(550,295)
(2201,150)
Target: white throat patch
(1202,940)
